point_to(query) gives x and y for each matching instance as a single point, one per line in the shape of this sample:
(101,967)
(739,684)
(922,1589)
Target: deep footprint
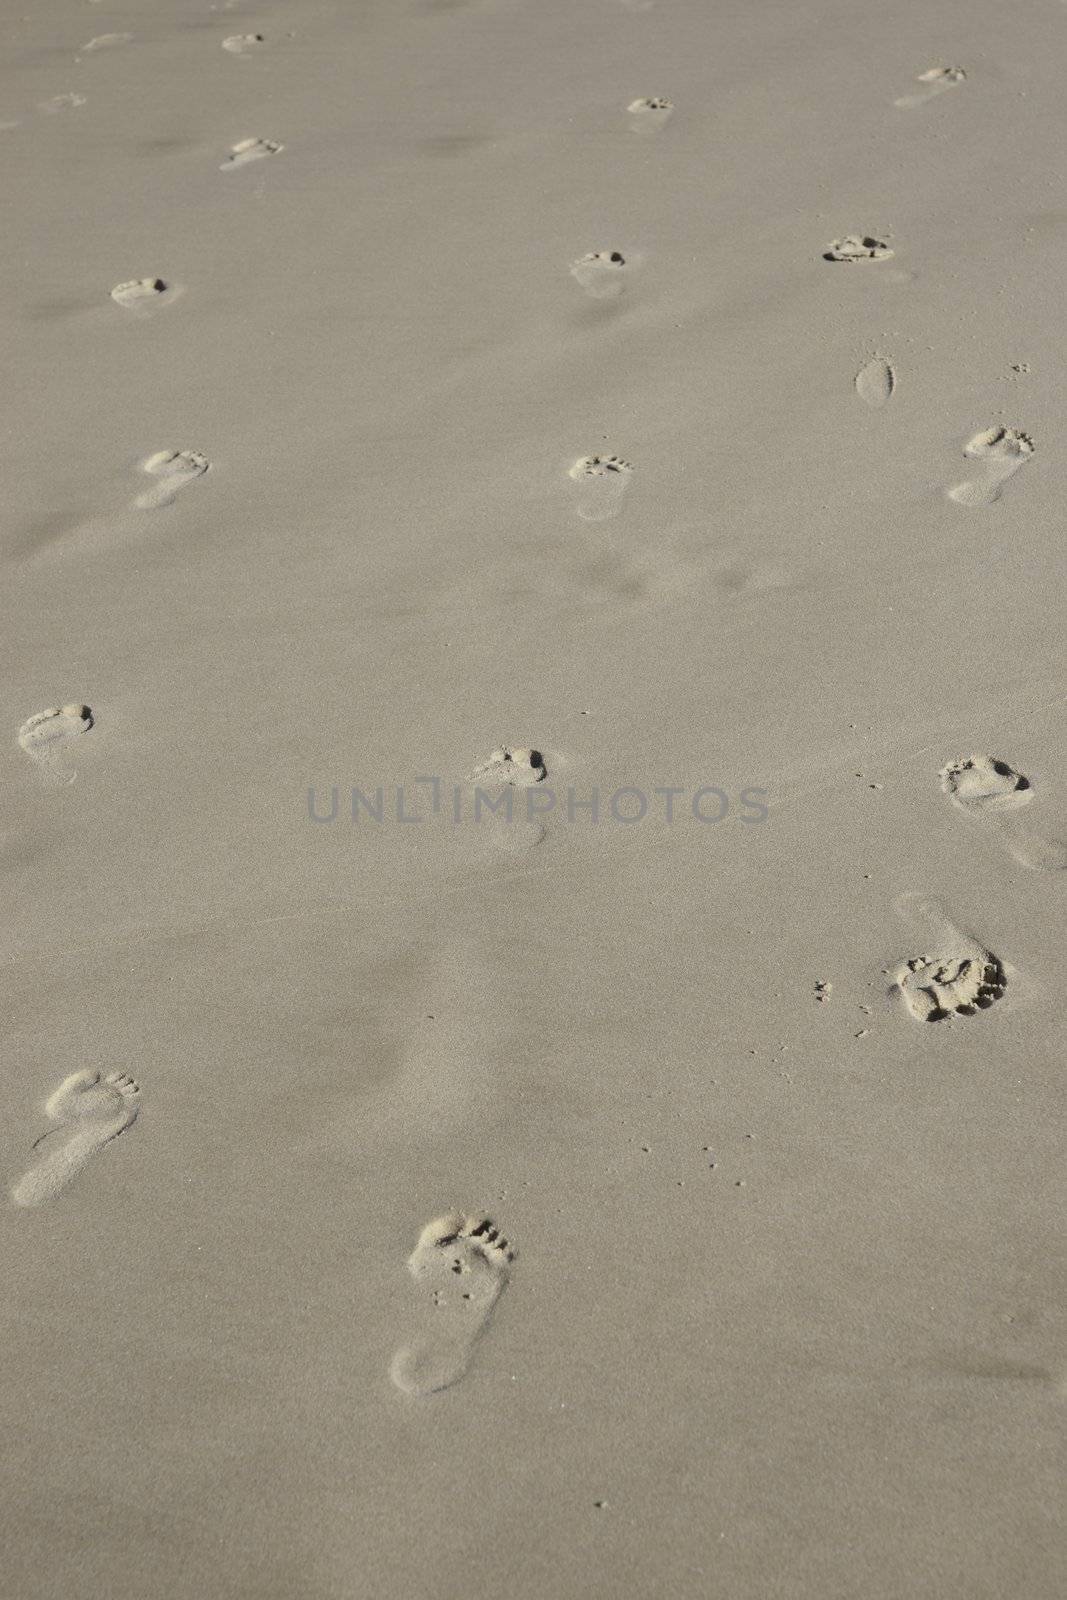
(603,481)
(961,979)
(1002,451)
(979,784)
(461,1265)
(516,765)
(174,470)
(934,82)
(95,1109)
(857,247)
(249,150)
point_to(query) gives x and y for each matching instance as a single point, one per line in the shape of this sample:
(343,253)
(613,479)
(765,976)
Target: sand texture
(534,829)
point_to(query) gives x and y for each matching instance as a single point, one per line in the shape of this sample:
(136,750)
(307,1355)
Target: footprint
(462,1264)
(875,382)
(249,150)
(1002,451)
(990,790)
(141,294)
(512,764)
(650,113)
(174,469)
(980,784)
(96,1110)
(962,977)
(603,480)
(602,273)
(857,247)
(241,44)
(107,41)
(934,82)
(61,102)
(48,735)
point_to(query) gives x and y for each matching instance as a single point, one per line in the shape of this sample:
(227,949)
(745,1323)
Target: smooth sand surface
(556,1209)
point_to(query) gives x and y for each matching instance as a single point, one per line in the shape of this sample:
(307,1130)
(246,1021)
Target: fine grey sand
(726,581)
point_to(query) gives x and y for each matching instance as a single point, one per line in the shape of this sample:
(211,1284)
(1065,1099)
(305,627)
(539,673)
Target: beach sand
(570,1207)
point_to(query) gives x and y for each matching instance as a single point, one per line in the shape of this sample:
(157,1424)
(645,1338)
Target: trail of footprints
(461,1264)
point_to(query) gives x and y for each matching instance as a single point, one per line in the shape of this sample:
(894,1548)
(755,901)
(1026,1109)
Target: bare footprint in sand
(1002,451)
(603,273)
(857,247)
(602,481)
(650,113)
(48,736)
(461,1265)
(504,820)
(517,765)
(106,41)
(174,469)
(60,102)
(960,978)
(142,294)
(249,150)
(876,382)
(934,82)
(91,1110)
(243,44)
(991,792)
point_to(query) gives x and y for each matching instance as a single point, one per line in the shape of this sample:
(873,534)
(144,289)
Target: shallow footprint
(48,735)
(174,469)
(857,247)
(249,150)
(990,790)
(1002,452)
(602,273)
(60,102)
(934,82)
(107,41)
(96,1110)
(960,978)
(650,113)
(462,1266)
(603,481)
(875,383)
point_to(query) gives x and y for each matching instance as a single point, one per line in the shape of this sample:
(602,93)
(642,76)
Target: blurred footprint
(174,470)
(603,273)
(107,41)
(650,113)
(249,150)
(243,44)
(934,82)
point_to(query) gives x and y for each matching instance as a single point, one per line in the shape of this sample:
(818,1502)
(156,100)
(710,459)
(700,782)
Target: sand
(565,1207)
